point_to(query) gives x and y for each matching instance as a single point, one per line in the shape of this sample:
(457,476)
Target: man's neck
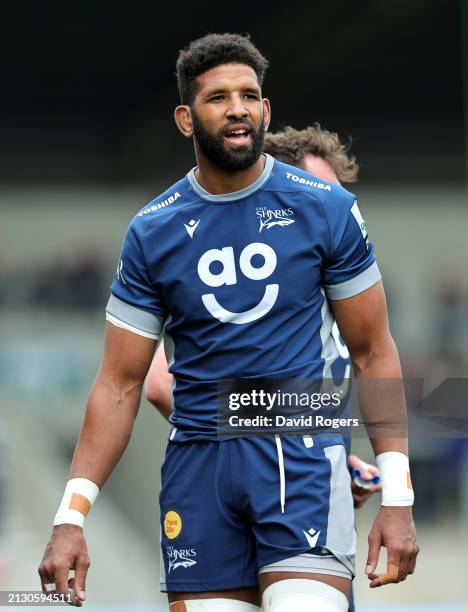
(216,181)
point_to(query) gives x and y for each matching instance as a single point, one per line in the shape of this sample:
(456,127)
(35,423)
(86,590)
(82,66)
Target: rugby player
(320,153)
(235,302)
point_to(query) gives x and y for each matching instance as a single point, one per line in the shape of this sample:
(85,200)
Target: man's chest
(237,262)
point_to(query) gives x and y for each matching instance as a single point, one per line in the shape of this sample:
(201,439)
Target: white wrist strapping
(397,489)
(80,494)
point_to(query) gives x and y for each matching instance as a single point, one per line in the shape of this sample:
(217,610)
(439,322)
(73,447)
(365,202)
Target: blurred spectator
(79,282)
(450,321)
(73,285)
(441,460)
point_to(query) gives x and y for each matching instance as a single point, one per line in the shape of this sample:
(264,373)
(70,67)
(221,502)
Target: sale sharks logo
(178,557)
(269,218)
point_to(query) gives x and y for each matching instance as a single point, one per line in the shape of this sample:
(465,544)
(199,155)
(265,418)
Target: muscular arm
(111,410)
(363,323)
(113,404)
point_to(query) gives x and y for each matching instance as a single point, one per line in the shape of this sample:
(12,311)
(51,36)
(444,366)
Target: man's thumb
(373,554)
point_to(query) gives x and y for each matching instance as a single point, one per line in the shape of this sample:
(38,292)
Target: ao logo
(228,276)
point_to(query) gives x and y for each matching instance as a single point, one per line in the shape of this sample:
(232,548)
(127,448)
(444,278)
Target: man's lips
(238,135)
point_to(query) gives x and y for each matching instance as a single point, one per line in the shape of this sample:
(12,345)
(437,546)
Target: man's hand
(393,528)
(361,495)
(66,550)
(110,414)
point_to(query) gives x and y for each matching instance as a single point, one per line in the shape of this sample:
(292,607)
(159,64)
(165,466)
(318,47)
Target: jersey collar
(234,195)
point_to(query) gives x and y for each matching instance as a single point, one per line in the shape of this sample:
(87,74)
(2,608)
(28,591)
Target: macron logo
(191,227)
(312,536)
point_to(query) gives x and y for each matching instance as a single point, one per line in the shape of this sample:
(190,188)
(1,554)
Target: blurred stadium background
(87,137)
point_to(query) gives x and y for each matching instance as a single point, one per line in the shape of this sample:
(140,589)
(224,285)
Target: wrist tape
(397,489)
(80,494)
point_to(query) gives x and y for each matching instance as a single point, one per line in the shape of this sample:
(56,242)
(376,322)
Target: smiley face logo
(228,276)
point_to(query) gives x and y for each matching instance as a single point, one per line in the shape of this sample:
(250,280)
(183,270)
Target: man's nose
(237,108)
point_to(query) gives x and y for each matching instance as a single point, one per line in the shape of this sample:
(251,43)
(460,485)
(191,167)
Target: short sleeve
(351,267)
(136,303)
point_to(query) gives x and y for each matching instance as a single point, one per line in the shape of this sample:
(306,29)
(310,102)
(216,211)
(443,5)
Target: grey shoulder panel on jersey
(355,285)
(134,319)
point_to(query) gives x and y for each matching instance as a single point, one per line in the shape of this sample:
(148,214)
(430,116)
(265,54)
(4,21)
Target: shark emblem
(268,224)
(180,562)
(180,557)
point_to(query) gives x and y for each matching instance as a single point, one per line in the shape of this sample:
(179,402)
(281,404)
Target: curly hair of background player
(290,146)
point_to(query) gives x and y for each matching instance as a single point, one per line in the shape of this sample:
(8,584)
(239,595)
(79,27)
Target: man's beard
(230,159)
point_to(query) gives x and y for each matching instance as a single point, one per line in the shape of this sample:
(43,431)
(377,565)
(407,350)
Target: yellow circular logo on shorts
(172,524)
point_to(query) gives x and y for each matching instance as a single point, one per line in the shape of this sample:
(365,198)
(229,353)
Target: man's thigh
(341,584)
(206,547)
(222,517)
(248,595)
(300,505)
(303,521)
(298,592)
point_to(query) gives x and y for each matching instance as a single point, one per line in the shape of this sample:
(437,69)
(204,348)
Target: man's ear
(183,119)
(266,112)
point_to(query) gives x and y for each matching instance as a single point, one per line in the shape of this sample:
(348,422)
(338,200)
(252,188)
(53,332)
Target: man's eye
(217,98)
(251,96)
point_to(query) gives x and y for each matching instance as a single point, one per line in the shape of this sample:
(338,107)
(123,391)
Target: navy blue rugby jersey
(238,284)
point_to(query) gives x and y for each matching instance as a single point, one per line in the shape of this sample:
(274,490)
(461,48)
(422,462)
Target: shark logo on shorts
(180,557)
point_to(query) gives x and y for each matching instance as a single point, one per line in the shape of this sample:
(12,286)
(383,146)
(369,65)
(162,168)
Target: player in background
(235,304)
(320,153)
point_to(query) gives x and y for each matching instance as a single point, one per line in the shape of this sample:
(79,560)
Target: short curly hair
(213,50)
(290,146)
